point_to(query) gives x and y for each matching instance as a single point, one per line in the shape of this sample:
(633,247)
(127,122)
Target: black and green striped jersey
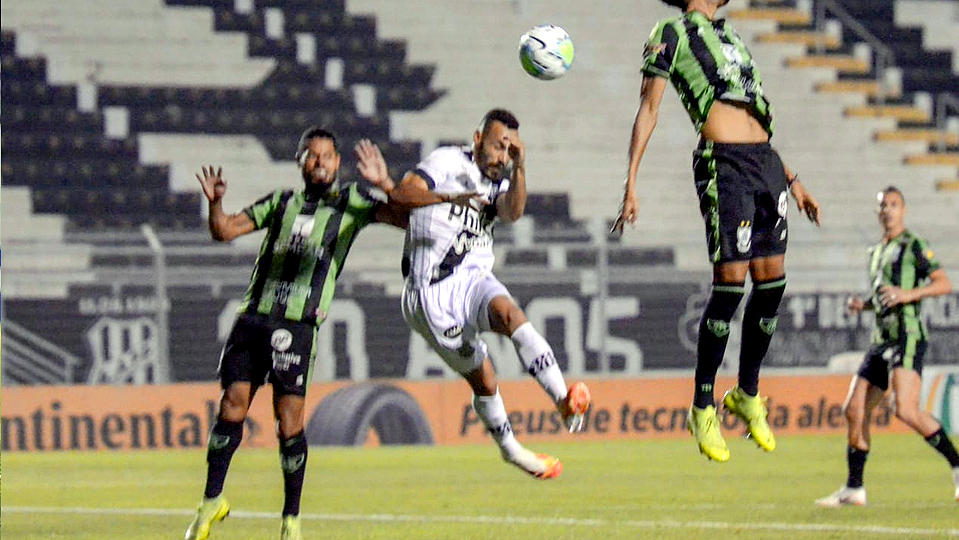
(905,262)
(304,250)
(706,60)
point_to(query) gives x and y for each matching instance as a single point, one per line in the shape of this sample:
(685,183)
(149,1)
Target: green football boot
(210,511)
(752,411)
(704,426)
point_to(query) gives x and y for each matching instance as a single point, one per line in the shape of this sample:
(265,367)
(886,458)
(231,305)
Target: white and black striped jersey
(444,238)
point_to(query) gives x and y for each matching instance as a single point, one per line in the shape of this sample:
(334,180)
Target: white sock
(492,412)
(538,360)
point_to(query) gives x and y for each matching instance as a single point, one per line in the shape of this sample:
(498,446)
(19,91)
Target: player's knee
(233,405)
(505,315)
(854,413)
(766,296)
(907,413)
(723,301)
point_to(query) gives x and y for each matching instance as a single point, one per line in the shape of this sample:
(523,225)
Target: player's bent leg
(210,511)
(537,357)
(492,412)
(703,425)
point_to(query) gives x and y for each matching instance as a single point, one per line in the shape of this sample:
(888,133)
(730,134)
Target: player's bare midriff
(732,123)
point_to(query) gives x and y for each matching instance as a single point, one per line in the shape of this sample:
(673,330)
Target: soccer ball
(546,52)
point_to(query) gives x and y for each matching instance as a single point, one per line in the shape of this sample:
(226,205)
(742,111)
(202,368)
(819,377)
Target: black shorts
(884,357)
(262,349)
(743,197)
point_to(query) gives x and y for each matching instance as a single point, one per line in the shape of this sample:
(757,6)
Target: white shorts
(451,314)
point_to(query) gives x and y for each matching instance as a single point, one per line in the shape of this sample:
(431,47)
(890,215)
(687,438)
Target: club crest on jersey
(744,236)
(302,226)
(281,339)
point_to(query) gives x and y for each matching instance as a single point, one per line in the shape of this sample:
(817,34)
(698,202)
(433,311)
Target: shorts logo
(783,205)
(453,331)
(281,339)
(744,236)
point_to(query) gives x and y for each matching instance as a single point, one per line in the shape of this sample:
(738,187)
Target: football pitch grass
(609,490)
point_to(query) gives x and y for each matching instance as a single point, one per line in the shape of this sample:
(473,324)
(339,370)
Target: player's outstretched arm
(414,192)
(646,117)
(223,227)
(373,167)
(512,204)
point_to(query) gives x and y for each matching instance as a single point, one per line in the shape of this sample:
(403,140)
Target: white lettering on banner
(503,353)
(598,333)
(423,361)
(942,311)
(798,306)
(125,352)
(833,313)
(118,305)
(350,314)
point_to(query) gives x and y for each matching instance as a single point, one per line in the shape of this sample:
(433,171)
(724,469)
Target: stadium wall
(643,326)
(113,418)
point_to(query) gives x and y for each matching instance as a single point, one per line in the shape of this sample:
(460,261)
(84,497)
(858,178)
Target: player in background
(451,294)
(742,186)
(309,233)
(902,271)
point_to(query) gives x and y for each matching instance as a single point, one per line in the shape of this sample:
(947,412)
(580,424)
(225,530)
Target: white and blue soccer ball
(546,52)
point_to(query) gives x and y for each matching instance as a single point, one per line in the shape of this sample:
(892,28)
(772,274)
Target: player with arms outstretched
(309,234)
(743,189)
(451,294)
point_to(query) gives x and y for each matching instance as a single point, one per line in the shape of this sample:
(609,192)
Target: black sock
(293,453)
(856,459)
(940,441)
(225,438)
(759,324)
(713,335)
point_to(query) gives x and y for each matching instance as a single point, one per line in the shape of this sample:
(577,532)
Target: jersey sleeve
(361,203)
(926,262)
(660,51)
(435,169)
(261,212)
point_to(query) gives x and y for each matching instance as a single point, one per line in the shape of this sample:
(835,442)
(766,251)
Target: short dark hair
(499,115)
(681,4)
(314,132)
(893,189)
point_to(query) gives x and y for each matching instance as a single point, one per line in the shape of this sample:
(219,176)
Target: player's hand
(214,186)
(372,165)
(805,201)
(890,296)
(517,152)
(627,212)
(855,304)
